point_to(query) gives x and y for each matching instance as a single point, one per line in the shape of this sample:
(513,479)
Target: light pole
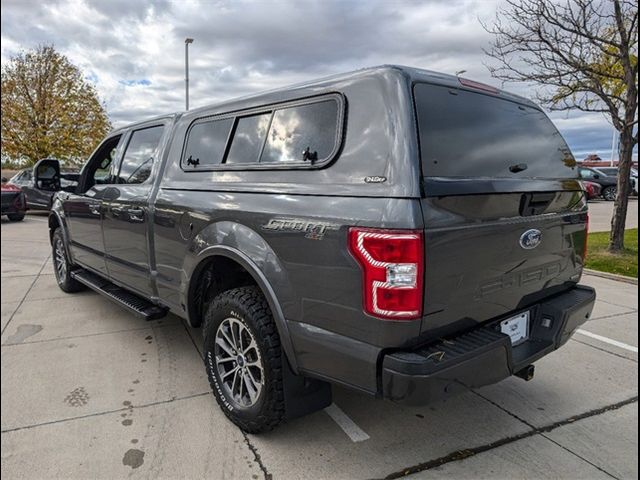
(187,41)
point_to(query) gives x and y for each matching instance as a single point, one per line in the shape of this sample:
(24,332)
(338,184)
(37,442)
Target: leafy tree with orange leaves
(49,109)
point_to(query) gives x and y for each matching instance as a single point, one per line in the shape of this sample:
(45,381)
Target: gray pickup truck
(397,231)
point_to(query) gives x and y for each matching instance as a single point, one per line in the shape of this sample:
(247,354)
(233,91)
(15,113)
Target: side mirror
(5,179)
(46,175)
(596,176)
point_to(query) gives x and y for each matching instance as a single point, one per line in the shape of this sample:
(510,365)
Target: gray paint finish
(312,283)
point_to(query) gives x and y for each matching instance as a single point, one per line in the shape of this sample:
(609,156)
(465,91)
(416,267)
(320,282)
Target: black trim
(484,355)
(123,297)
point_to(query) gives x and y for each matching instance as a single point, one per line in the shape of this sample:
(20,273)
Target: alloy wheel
(238,362)
(60,260)
(610,193)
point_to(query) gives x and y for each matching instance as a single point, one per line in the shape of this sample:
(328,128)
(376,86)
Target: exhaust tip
(526,373)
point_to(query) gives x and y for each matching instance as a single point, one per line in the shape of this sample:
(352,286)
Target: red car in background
(14,203)
(592,189)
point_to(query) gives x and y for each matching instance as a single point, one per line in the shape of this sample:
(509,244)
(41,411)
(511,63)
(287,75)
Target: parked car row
(40,194)
(607,179)
(613,172)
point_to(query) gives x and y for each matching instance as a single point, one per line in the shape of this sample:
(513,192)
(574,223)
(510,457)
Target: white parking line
(353,431)
(610,341)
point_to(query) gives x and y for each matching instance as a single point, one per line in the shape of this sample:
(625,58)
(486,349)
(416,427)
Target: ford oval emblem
(530,239)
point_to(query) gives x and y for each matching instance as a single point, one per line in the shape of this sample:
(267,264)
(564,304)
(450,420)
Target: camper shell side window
(300,134)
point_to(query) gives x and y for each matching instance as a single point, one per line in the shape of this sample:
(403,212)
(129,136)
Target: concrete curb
(611,276)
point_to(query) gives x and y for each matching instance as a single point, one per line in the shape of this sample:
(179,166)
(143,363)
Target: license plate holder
(517,327)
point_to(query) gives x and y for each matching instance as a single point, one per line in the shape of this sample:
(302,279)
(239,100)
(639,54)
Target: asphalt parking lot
(89,391)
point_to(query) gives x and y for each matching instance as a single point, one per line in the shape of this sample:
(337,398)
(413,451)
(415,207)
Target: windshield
(17,177)
(468,134)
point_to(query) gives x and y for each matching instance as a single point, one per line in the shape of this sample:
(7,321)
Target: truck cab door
(126,220)
(84,208)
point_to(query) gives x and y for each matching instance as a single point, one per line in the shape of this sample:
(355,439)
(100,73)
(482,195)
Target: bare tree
(584,55)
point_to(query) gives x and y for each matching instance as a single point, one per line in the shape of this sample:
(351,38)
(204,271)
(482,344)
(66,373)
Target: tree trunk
(618,221)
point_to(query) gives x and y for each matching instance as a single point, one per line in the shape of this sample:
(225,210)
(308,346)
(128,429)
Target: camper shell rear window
(469,134)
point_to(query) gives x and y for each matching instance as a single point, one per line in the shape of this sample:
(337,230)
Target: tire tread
(254,303)
(69,285)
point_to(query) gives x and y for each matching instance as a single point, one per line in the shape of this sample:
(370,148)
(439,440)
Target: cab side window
(102,174)
(99,168)
(139,156)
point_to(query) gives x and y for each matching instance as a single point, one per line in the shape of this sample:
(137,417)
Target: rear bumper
(484,355)
(13,202)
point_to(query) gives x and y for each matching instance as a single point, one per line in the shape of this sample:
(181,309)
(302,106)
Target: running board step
(132,302)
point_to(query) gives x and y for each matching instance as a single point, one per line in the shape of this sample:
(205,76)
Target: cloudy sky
(134,50)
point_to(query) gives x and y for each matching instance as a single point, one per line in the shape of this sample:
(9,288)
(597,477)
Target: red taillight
(392,263)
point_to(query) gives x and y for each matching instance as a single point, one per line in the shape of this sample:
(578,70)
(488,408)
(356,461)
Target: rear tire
(243,358)
(16,217)
(610,193)
(61,265)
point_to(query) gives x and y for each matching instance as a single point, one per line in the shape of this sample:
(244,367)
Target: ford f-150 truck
(401,232)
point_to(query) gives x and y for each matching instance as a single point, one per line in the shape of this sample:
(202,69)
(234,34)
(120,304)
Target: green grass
(626,263)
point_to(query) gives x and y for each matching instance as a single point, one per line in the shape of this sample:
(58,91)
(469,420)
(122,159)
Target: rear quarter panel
(293,226)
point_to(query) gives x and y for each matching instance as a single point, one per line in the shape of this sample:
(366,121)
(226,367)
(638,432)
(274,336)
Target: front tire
(16,217)
(243,359)
(61,265)
(610,193)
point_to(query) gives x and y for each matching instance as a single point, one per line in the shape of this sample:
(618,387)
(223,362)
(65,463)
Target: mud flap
(303,395)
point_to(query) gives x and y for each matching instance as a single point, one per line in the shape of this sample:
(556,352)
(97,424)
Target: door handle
(136,214)
(116,211)
(95,209)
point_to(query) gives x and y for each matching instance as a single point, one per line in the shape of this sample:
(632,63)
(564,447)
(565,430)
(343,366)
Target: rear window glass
(468,134)
(305,132)
(248,138)
(206,143)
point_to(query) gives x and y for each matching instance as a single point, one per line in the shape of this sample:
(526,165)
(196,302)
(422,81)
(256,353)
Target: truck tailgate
(479,264)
